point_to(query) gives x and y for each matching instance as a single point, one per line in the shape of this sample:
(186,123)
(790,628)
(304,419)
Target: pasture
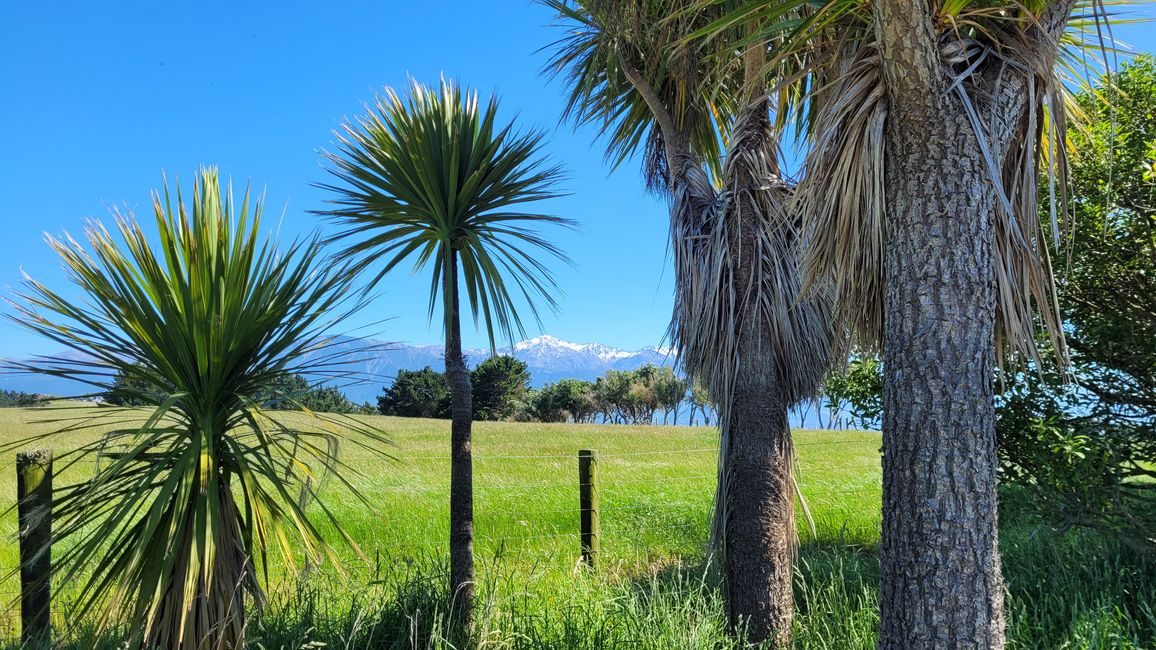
(654,586)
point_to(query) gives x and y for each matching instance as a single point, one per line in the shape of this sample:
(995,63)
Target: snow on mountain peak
(545,344)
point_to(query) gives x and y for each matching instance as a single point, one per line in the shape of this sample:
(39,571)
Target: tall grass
(657,588)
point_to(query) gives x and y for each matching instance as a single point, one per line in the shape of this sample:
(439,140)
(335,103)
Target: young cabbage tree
(432,177)
(195,491)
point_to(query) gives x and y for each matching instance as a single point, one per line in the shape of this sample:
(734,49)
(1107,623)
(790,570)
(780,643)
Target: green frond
(830,84)
(603,37)
(188,500)
(432,174)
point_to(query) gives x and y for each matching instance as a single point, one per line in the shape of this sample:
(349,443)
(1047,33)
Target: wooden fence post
(34,507)
(588,502)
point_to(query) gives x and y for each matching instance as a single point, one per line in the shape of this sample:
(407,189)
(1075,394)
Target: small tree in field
(416,394)
(432,177)
(499,385)
(175,525)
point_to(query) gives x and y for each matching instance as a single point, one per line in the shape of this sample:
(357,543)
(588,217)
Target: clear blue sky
(99,98)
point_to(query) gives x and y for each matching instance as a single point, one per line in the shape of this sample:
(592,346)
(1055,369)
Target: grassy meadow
(655,586)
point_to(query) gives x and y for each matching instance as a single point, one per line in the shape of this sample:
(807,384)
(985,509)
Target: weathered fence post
(34,507)
(588,502)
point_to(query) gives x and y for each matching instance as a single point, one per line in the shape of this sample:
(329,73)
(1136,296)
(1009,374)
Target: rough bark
(462,580)
(758,554)
(940,581)
(758,550)
(758,525)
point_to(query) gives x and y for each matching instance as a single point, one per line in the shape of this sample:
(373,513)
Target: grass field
(655,587)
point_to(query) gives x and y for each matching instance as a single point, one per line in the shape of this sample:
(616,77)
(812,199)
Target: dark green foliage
(131,387)
(499,383)
(11,398)
(543,405)
(575,397)
(1090,444)
(293,392)
(567,400)
(416,394)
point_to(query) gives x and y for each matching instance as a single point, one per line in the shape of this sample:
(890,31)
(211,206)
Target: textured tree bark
(758,552)
(758,555)
(940,581)
(462,582)
(758,508)
(941,585)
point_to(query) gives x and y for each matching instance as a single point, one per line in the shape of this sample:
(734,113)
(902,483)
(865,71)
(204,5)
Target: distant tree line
(10,398)
(501,391)
(290,392)
(621,397)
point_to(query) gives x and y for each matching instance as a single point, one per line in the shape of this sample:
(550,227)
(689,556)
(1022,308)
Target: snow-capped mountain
(550,358)
(372,364)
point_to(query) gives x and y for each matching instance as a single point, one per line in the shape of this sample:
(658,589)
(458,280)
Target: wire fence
(653,503)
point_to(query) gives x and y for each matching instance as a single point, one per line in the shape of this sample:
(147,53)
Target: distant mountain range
(375,363)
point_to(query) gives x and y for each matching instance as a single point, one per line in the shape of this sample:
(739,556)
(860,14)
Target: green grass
(655,587)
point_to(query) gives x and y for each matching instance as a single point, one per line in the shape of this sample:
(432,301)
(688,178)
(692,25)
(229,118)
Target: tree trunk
(760,515)
(214,619)
(759,524)
(940,581)
(462,583)
(941,585)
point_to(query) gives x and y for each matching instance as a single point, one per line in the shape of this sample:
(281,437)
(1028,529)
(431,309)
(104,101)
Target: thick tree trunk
(462,582)
(940,582)
(941,585)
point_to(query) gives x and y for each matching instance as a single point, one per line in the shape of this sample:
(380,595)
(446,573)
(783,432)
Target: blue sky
(100,98)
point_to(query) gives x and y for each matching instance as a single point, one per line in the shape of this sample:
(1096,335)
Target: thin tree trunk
(759,508)
(760,515)
(940,581)
(462,580)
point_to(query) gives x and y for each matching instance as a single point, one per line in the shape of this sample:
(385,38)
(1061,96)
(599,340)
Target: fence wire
(653,503)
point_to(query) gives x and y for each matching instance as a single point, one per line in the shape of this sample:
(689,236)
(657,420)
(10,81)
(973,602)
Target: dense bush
(500,384)
(416,394)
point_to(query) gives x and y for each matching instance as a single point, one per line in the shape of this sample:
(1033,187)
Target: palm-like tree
(929,125)
(431,176)
(699,116)
(177,522)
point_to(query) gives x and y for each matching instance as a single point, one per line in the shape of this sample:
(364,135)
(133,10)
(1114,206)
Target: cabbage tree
(699,118)
(930,129)
(195,494)
(434,178)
